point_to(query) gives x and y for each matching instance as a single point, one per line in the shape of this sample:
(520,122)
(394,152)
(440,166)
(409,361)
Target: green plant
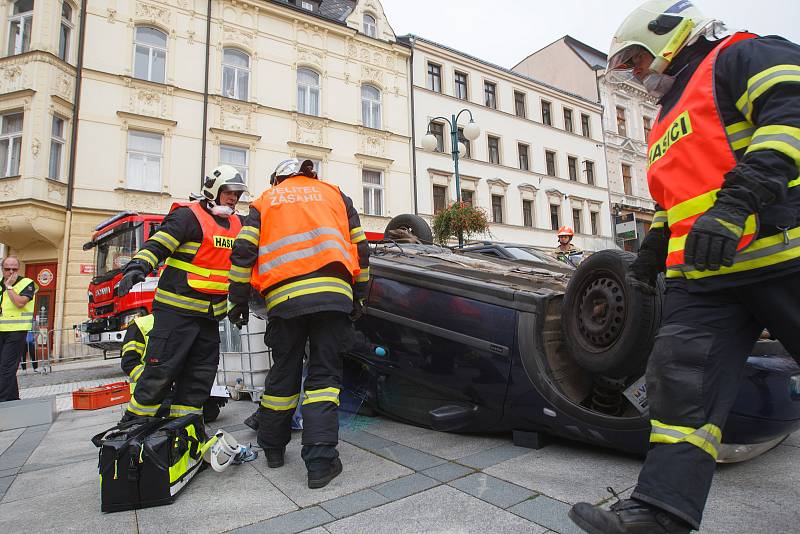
(459,218)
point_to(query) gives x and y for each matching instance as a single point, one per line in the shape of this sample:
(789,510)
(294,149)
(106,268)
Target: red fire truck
(115,241)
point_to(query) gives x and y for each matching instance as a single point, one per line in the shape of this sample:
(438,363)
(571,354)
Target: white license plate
(94,337)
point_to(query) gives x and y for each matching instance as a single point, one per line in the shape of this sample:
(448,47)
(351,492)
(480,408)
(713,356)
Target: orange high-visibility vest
(304,226)
(208,271)
(689,154)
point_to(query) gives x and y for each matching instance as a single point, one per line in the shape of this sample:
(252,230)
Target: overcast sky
(506,31)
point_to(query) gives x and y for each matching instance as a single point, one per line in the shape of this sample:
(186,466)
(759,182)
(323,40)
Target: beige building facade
(538,162)
(326,81)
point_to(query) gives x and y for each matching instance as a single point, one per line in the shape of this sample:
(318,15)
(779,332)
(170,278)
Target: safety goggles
(623,64)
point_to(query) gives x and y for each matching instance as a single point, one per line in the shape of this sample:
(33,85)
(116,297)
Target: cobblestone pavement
(71,372)
(397,479)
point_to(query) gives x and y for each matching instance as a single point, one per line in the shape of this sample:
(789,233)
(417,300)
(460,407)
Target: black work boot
(318,477)
(625,517)
(252,420)
(274,457)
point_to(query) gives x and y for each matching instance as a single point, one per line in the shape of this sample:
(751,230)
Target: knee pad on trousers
(675,375)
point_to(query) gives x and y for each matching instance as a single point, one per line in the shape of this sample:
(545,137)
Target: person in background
(16,318)
(30,350)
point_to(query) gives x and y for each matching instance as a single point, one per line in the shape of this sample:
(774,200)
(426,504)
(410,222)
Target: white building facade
(538,163)
(323,80)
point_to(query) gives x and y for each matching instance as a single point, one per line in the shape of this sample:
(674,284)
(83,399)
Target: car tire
(609,326)
(413,224)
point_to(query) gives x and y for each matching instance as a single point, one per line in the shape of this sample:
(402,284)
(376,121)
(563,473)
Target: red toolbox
(101,396)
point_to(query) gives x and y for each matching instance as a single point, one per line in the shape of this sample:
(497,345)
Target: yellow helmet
(660,27)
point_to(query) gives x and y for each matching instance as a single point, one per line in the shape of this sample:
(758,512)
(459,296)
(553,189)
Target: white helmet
(286,168)
(660,27)
(223,450)
(224,176)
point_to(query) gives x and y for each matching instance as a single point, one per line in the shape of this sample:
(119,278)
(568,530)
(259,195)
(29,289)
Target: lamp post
(471,132)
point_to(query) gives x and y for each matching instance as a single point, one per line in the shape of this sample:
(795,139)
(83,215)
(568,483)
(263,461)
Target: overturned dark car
(458,341)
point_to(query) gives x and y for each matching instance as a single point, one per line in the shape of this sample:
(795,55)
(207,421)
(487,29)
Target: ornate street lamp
(471,132)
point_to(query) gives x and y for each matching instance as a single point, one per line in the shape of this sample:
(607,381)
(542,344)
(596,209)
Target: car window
(531,254)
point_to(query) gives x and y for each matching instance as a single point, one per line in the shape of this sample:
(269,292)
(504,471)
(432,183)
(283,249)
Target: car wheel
(413,224)
(609,327)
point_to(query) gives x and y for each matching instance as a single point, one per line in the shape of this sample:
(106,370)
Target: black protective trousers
(328,335)
(182,349)
(693,378)
(12,345)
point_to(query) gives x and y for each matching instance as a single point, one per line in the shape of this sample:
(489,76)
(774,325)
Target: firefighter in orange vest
(723,168)
(194,243)
(302,247)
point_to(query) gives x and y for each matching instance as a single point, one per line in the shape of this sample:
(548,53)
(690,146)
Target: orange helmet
(565,230)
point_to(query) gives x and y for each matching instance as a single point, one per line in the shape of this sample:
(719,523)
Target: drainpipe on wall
(205,98)
(73,150)
(413,129)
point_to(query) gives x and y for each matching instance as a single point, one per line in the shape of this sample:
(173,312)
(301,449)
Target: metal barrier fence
(59,346)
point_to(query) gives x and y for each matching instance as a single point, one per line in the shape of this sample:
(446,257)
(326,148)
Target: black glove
(651,259)
(238,314)
(131,278)
(358,310)
(714,236)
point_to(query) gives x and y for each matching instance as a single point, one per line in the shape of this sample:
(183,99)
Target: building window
(461,85)
(150,54)
(308,92)
(589,167)
(585,125)
(527,213)
(308,6)
(568,120)
(437,129)
(144,161)
(370,26)
(235,74)
(627,181)
(57,143)
(648,125)
(550,162)
(577,215)
(236,157)
(10,143)
(519,104)
(595,223)
(622,125)
(555,217)
(65,32)
(435,77)
(524,161)
(490,94)
(572,166)
(20,24)
(371,106)
(439,198)
(547,116)
(373,192)
(466,196)
(497,208)
(466,143)
(494,149)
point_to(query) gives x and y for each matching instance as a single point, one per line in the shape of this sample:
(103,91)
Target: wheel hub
(602,311)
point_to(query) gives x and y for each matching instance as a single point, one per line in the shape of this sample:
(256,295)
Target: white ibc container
(244,358)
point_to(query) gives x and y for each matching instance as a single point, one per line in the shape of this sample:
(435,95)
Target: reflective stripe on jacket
(690,152)
(12,318)
(304,227)
(134,347)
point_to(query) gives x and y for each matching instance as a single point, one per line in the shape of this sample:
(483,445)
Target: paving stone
(570,473)
(5,483)
(220,501)
(8,437)
(354,503)
(17,454)
(59,445)
(9,472)
(403,487)
(493,456)
(547,512)
(318,530)
(411,458)
(365,440)
(362,469)
(441,509)
(57,462)
(492,490)
(447,472)
(289,523)
(443,444)
(793,440)
(28,486)
(75,510)
(752,496)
